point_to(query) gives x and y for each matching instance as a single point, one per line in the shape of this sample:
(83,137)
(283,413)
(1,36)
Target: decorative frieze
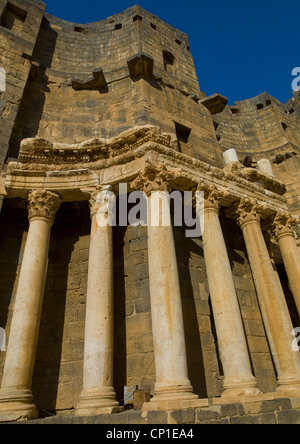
(43,151)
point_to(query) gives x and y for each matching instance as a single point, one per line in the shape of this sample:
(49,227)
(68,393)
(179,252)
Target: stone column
(172,383)
(238,377)
(273,306)
(283,232)
(16,401)
(98,395)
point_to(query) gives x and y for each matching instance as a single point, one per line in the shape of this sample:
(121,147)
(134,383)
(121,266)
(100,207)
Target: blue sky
(240,48)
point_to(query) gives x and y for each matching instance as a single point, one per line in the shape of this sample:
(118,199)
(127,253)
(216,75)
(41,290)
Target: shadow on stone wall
(13,223)
(58,371)
(32,106)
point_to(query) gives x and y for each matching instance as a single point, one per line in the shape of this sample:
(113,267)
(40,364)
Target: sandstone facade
(202,322)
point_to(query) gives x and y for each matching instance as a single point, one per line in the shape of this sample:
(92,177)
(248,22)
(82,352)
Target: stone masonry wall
(53,109)
(19,26)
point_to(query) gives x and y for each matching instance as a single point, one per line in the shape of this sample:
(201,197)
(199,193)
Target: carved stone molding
(212,196)
(249,210)
(283,224)
(155,177)
(43,204)
(46,152)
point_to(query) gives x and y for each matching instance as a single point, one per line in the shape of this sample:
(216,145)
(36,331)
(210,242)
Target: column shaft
(166,308)
(27,309)
(98,395)
(291,260)
(173,388)
(16,399)
(238,377)
(282,228)
(274,309)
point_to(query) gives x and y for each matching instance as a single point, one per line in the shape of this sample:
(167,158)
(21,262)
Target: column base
(291,387)
(180,392)
(96,402)
(17,405)
(247,388)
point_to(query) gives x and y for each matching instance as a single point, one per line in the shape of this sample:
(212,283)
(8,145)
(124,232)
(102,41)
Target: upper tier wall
(262,126)
(148,77)
(19,27)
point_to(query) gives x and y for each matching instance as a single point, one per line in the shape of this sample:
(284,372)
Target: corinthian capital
(212,195)
(249,210)
(101,198)
(283,224)
(155,177)
(43,204)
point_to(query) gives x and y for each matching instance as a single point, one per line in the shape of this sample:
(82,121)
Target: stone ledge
(273,411)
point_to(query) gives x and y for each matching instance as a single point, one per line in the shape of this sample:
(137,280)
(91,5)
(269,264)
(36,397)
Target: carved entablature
(155,177)
(43,151)
(237,173)
(43,204)
(249,210)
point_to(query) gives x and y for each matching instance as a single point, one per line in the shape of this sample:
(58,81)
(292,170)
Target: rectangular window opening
(235,110)
(79,29)
(13,18)
(183,134)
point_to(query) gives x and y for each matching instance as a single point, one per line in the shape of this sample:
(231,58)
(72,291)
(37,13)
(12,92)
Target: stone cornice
(37,156)
(45,152)
(69,180)
(236,172)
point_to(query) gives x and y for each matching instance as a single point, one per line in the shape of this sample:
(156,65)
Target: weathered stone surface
(144,107)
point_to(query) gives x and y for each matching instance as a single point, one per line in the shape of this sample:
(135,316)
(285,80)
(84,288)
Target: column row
(172,381)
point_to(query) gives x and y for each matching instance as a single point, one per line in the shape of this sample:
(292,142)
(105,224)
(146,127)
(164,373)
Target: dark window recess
(79,29)
(183,135)
(153,26)
(169,61)
(13,17)
(260,106)
(268,103)
(235,110)
(284,126)
(179,42)
(118,26)
(137,18)
(291,111)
